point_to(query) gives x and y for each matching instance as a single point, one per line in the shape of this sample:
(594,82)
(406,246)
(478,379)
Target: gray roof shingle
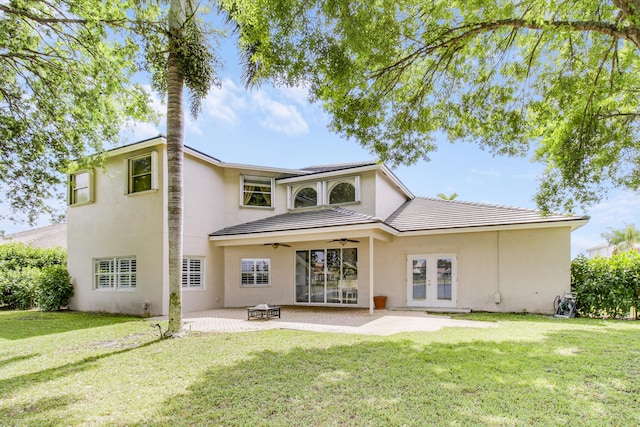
(44,237)
(298,221)
(422,214)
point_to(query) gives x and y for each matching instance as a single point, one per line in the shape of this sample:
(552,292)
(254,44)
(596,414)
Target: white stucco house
(318,236)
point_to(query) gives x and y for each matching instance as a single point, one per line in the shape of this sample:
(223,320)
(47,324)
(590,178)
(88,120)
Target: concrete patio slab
(321,319)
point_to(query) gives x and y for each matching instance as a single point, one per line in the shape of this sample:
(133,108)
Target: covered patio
(325,319)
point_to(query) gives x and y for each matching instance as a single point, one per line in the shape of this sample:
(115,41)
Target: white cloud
(298,94)
(622,207)
(224,103)
(279,117)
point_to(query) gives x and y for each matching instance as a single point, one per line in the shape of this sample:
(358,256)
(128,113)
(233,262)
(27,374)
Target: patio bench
(263,311)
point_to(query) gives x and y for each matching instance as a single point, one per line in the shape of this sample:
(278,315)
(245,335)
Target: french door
(431,280)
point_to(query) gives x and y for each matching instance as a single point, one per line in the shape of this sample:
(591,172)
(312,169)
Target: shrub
(54,288)
(18,288)
(607,287)
(20,267)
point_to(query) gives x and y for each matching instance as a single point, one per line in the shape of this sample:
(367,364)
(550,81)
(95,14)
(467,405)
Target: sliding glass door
(327,276)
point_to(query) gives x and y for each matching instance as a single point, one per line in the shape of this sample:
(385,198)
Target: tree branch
(41,20)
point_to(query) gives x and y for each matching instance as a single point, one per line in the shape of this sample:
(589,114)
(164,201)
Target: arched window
(342,193)
(305,198)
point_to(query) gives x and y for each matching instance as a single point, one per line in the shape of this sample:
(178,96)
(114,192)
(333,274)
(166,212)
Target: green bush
(54,288)
(607,287)
(16,256)
(18,288)
(21,277)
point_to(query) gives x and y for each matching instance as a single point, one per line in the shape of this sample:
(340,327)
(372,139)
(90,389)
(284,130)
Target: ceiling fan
(277,245)
(344,241)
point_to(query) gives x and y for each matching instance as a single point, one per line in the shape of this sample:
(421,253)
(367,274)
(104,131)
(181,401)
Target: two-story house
(320,236)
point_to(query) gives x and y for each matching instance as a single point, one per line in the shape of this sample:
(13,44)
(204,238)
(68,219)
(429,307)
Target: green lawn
(88,369)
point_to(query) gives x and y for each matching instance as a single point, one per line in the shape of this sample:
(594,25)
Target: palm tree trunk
(175,155)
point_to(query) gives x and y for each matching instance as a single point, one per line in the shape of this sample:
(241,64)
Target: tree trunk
(175,155)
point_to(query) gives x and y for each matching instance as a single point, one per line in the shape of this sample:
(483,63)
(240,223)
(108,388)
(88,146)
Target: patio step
(433,309)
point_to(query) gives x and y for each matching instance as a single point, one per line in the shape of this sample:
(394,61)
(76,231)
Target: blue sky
(278,127)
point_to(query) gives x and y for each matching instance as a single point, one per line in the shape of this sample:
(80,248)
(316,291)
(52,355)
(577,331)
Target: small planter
(379,301)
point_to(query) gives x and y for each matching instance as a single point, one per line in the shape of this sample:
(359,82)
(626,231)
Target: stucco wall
(528,267)
(389,197)
(282,289)
(116,225)
(203,214)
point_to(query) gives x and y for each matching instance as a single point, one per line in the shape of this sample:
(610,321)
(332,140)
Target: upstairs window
(80,188)
(342,193)
(305,198)
(141,173)
(257,191)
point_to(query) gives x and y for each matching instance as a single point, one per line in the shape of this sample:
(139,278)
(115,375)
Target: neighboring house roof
(44,237)
(422,213)
(331,217)
(417,215)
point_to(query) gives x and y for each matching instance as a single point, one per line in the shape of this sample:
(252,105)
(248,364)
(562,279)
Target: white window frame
(254,283)
(323,189)
(121,275)
(192,271)
(72,194)
(154,172)
(258,178)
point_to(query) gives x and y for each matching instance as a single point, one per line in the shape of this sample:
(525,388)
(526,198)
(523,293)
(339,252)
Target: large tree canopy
(560,79)
(66,88)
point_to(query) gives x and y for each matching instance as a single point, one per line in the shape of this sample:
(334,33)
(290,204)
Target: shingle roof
(337,167)
(421,214)
(298,221)
(43,237)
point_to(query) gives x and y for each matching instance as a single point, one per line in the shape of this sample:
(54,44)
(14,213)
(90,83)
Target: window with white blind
(115,273)
(255,272)
(192,273)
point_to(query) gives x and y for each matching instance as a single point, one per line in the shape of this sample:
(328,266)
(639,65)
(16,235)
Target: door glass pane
(350,276)
(317,275)
(302,276)
(419,268)
(444,278)
(333,276)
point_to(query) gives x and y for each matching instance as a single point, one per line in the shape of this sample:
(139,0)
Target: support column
(371,275)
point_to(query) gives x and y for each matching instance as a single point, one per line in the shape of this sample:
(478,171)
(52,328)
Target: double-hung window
(115,273)
(192,273)
(80,188)
(257,191)
(255,272)
(142,174)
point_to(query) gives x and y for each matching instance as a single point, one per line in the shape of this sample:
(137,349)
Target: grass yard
(76,369)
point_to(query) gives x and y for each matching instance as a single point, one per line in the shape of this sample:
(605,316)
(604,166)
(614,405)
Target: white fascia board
(262,168)
(574,224)
(331,174)
(378,231)
(349,172)
(152,142)
(397,181)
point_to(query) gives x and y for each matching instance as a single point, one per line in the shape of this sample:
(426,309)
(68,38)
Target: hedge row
(607,287)
(33,277)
